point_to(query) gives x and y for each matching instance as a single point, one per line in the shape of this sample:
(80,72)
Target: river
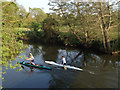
(99,71)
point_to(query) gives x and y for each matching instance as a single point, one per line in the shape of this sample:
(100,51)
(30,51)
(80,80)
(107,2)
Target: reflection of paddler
(30,69)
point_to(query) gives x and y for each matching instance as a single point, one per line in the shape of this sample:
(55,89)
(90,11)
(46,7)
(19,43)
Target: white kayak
(61,65)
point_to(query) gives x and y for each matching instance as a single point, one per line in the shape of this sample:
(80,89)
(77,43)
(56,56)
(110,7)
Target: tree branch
(113,26)
(7,4)
(74,32)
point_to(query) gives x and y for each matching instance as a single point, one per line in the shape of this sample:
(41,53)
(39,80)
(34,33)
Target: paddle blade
(22,67)
(65,68)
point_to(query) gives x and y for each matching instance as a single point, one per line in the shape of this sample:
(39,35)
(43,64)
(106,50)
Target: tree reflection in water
(51,52)
(80,58)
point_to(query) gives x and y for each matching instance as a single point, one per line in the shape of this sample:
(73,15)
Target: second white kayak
(61,65)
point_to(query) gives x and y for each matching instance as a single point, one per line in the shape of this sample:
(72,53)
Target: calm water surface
(99,71)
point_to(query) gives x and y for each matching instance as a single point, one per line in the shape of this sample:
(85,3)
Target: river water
(99,71)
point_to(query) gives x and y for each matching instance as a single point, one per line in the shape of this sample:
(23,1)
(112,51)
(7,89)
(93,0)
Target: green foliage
(1,87)
(35,26)
(83,21)
(68,39)
(50,31)
(37,14)
(71,23)
(35,17)
(10,13)
(19,69)
(12,46)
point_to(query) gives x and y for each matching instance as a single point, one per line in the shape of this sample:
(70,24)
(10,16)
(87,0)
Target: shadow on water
(96,69)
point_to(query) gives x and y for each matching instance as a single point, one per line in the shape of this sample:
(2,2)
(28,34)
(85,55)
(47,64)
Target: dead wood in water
(116,52)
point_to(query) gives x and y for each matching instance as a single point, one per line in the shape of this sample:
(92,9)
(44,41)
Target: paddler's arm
(29,59)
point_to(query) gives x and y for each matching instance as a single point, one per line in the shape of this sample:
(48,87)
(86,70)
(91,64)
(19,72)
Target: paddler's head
(62,56)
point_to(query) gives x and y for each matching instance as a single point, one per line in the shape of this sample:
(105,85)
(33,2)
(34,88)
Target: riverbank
(67,39)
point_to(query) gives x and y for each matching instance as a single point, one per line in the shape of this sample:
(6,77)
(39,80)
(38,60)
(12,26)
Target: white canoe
(61,65)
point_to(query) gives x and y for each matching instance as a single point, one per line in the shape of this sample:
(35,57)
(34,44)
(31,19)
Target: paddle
(64,67)
(23,61)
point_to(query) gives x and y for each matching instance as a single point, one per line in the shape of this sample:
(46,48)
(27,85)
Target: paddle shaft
(24,60)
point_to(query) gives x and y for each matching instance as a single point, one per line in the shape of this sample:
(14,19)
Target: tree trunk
(107,41)
(85,32)
(83,23)
(103,38)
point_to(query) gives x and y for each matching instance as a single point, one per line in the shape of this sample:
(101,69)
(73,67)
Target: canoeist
(32,59)
(63,60)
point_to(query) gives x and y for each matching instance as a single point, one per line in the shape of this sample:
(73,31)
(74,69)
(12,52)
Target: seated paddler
(31,59)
